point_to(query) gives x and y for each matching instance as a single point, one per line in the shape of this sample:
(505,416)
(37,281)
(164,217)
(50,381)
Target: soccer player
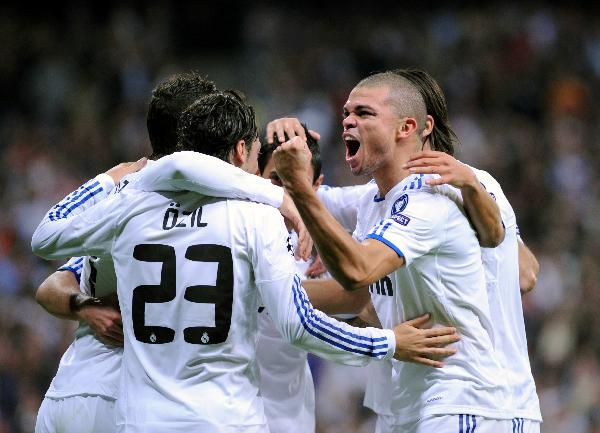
(189,270)
(286,382)
(504,266)
(81,397)
(414,244)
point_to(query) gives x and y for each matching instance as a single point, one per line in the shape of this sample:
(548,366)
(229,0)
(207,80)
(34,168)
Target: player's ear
(239,154)
(317,183)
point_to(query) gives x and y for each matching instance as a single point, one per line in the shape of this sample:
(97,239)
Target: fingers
(437,181)
(287,125)
(305,244)
(438,332)
(316,268)
(427,154)
(429,362)
(270,132)
(139,164)
(442,340)
(419,321)
(420,162)
(314,134)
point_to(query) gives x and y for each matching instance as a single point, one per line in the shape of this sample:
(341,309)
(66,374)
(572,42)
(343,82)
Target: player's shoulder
(253,210)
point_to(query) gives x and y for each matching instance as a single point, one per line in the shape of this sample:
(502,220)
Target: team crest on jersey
(290,248)
(400,204)
(401,219)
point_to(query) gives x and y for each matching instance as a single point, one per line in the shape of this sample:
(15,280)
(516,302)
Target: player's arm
(301,324)
(329,296)
(528,268)
(87,233)
(355,265)
(61,296)
(481,208)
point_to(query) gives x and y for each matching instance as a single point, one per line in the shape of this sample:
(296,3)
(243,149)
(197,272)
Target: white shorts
(457,424)
(76,414)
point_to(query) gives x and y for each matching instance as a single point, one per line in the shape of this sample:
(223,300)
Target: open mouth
(352,145)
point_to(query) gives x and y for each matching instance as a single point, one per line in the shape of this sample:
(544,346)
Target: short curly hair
(169,99)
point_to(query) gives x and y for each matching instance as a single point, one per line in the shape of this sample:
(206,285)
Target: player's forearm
(484,214)
(207,175)
(528,269)
(338,250)
(55,292)
(330,297)
(310,329)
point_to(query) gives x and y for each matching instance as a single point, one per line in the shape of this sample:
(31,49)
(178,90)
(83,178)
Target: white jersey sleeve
(74,265)
(207,175)
(413,229)
(342,202)
(87,232)
(294,316)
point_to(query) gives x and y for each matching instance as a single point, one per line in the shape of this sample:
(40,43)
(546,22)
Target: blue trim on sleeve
(75,270)
(308,319)
(388,243)
(75,199)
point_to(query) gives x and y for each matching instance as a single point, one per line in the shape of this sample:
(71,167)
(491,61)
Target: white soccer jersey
(189,272)
(502,281)
(342,202)
(88,366)
(443,275)
(286,383)
(502,277)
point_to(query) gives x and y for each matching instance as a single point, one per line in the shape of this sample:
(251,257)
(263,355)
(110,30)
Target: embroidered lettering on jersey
(401,219)
(120,186)
(400,204)
(415,183)
(188,218)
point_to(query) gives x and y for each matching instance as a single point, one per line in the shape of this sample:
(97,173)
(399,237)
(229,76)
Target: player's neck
(390,175)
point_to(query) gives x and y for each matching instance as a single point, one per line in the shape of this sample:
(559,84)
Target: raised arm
(481,208)
(355,265)
(207,175)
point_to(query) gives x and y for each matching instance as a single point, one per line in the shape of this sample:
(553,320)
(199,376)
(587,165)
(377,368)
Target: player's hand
(290,126)
(316,268)
(451,171)
(290,213)
(119,171)
(423,346)
(292,162)
(105,321)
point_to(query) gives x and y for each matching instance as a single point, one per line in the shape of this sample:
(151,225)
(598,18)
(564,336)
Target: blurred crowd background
(520,79)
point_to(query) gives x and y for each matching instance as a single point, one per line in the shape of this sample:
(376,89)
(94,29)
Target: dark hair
(215,123)
(442,137)
(266,151)
(169,99)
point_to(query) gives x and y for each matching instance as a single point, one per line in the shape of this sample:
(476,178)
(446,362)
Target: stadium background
(521,81)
